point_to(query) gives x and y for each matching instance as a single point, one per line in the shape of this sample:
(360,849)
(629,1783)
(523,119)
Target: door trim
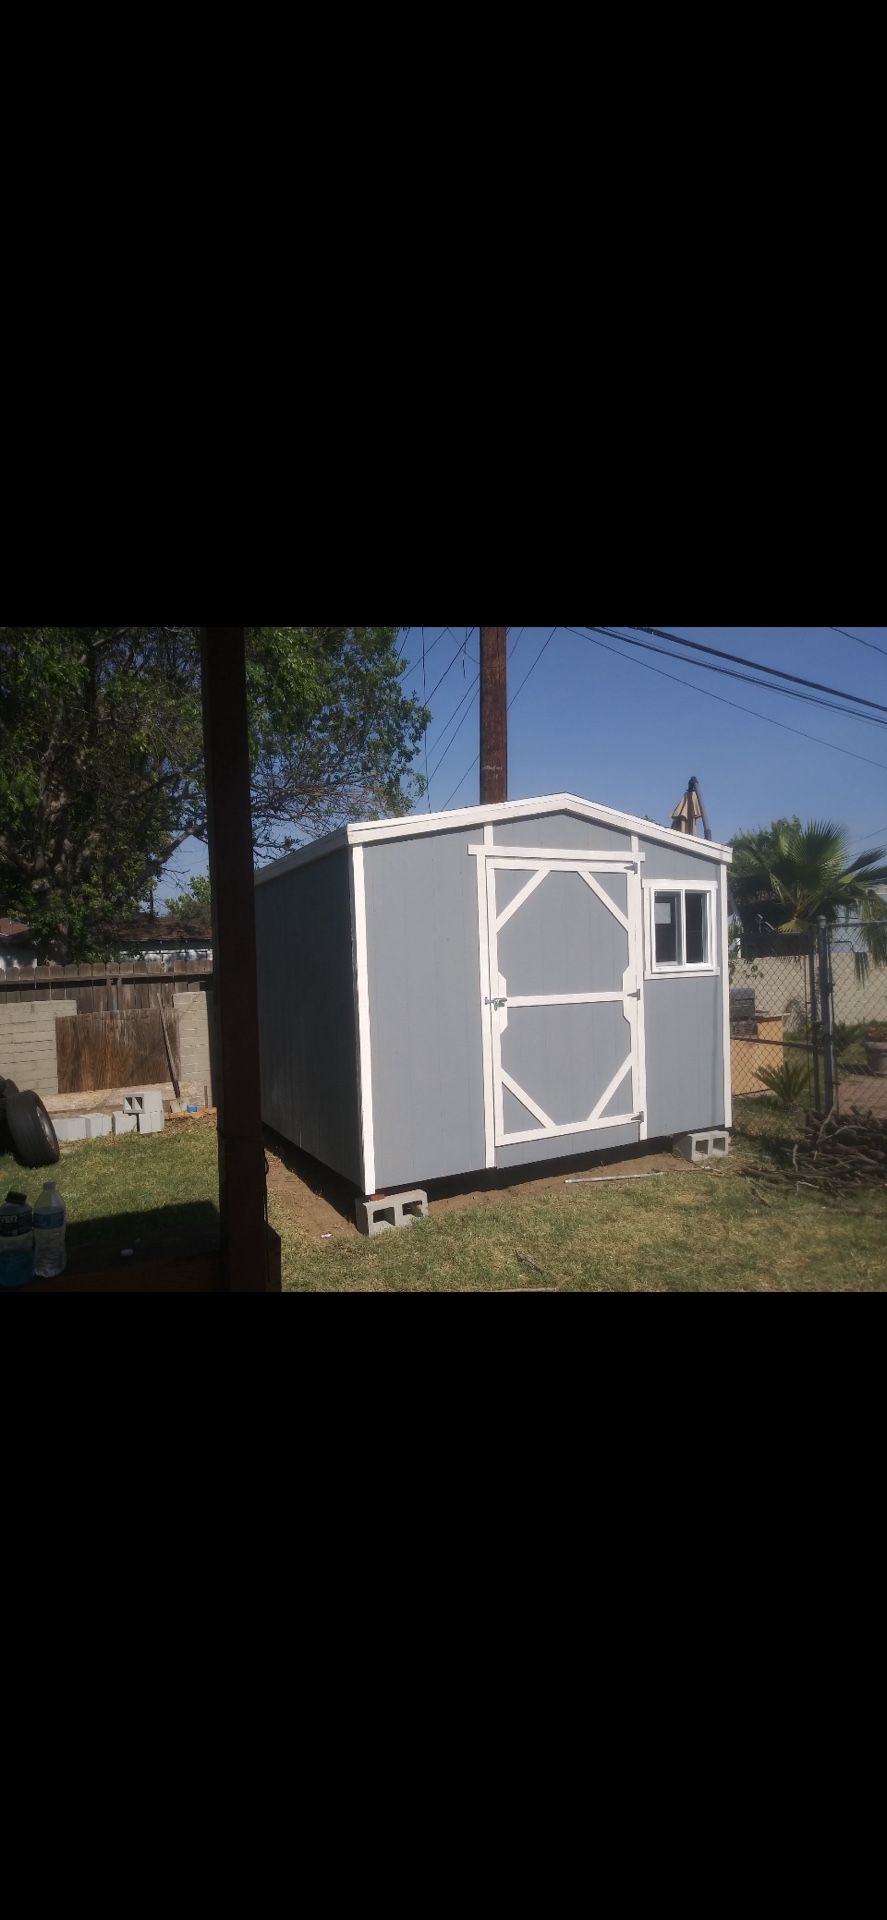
(495,1002)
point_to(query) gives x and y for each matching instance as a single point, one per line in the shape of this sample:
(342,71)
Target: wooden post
(229,816)
(493,715)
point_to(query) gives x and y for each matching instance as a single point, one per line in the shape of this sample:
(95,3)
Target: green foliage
(790,875)
(845,1036)
(101,758)
(790,1083)
(193,908)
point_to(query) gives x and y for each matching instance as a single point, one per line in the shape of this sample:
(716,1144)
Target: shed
(492,987)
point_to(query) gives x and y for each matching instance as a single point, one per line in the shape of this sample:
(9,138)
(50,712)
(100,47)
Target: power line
(456,710)
(730,673)
(724,702)
(511,702)
(859,640)
(866,839)
(461,653)
(435,643)
(466,716)
(696,646)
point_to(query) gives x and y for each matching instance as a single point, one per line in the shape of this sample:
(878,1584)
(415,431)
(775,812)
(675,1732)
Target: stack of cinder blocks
(82,1126)
(145,1110)
(142,1113)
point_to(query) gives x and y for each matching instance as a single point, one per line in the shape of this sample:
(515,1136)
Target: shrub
(790,1083)
(845,1037)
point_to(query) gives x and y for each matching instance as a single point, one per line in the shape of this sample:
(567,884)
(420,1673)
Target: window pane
(697,929)
(665,913)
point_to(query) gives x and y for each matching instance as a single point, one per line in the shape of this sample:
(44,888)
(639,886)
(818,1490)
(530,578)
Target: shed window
(680,929)
(667,919)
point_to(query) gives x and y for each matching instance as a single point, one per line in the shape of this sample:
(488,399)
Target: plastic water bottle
(16,1242)
(50,1258)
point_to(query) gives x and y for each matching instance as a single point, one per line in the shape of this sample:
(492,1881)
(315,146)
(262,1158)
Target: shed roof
(416,826)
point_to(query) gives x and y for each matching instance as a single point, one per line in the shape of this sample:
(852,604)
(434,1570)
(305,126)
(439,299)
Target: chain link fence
(808,1029)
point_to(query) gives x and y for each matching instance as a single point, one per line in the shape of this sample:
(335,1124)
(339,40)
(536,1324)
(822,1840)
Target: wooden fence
(100,1050)
(125,987)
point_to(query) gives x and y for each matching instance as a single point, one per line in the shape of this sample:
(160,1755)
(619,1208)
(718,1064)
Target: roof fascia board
(416,826)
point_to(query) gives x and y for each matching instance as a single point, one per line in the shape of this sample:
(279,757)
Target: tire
(31,1131)
(7,1088)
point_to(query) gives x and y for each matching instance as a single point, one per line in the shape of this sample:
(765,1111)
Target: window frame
(679,969)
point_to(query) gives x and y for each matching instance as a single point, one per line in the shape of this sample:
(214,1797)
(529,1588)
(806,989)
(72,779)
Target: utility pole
(493,715)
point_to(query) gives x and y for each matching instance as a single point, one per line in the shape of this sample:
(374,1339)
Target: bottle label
(48,1222)
(17,1269)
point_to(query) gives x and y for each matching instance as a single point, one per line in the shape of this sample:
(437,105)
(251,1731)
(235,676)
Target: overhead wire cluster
(661,641)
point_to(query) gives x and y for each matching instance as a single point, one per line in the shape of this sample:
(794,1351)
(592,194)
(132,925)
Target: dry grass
(703,1234)
(698,1233)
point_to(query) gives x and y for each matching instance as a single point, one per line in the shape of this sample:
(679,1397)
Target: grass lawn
(699,1232)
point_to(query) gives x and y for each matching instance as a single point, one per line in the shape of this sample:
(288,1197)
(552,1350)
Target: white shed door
(564,958)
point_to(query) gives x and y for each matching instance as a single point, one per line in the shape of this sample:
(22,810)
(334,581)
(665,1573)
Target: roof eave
(415,826)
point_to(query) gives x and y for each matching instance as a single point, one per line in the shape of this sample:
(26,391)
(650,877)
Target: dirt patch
(310,1197)
(317,1202)
(452,1197)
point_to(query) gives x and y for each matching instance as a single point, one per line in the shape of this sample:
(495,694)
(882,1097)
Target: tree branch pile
(839,1154)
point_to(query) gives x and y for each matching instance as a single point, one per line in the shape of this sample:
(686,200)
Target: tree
(193,908)
(786,876)
(101,757)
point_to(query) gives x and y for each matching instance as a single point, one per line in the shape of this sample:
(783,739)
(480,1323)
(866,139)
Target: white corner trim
(725,976)
(364,1035)
(636,911)
(416,826)
(486,1011)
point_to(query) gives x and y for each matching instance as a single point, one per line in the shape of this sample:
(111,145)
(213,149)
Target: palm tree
(788,875)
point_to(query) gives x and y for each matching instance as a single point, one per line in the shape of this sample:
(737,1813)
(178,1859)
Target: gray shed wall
(684,1017)
(308,1028)
(558,830)
(424,988)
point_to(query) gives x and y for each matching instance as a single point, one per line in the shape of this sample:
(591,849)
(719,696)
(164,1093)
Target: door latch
(495,1003)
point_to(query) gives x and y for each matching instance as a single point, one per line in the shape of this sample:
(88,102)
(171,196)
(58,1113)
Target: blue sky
(610,729)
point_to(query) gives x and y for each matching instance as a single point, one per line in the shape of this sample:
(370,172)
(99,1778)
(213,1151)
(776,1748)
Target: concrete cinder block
(97,1125)
(152,1122)
(386,1216)
(69,1127)
(125,1123)
(139,1103)
(701,1148)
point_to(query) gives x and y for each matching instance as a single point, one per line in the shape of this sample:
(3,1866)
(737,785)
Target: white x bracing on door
(593,1062)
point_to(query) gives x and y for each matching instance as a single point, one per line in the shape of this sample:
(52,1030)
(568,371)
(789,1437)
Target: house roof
(416,826)
(137,933)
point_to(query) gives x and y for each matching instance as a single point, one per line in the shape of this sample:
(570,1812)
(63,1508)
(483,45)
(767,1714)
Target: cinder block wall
(28,1053)
(196,1012)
